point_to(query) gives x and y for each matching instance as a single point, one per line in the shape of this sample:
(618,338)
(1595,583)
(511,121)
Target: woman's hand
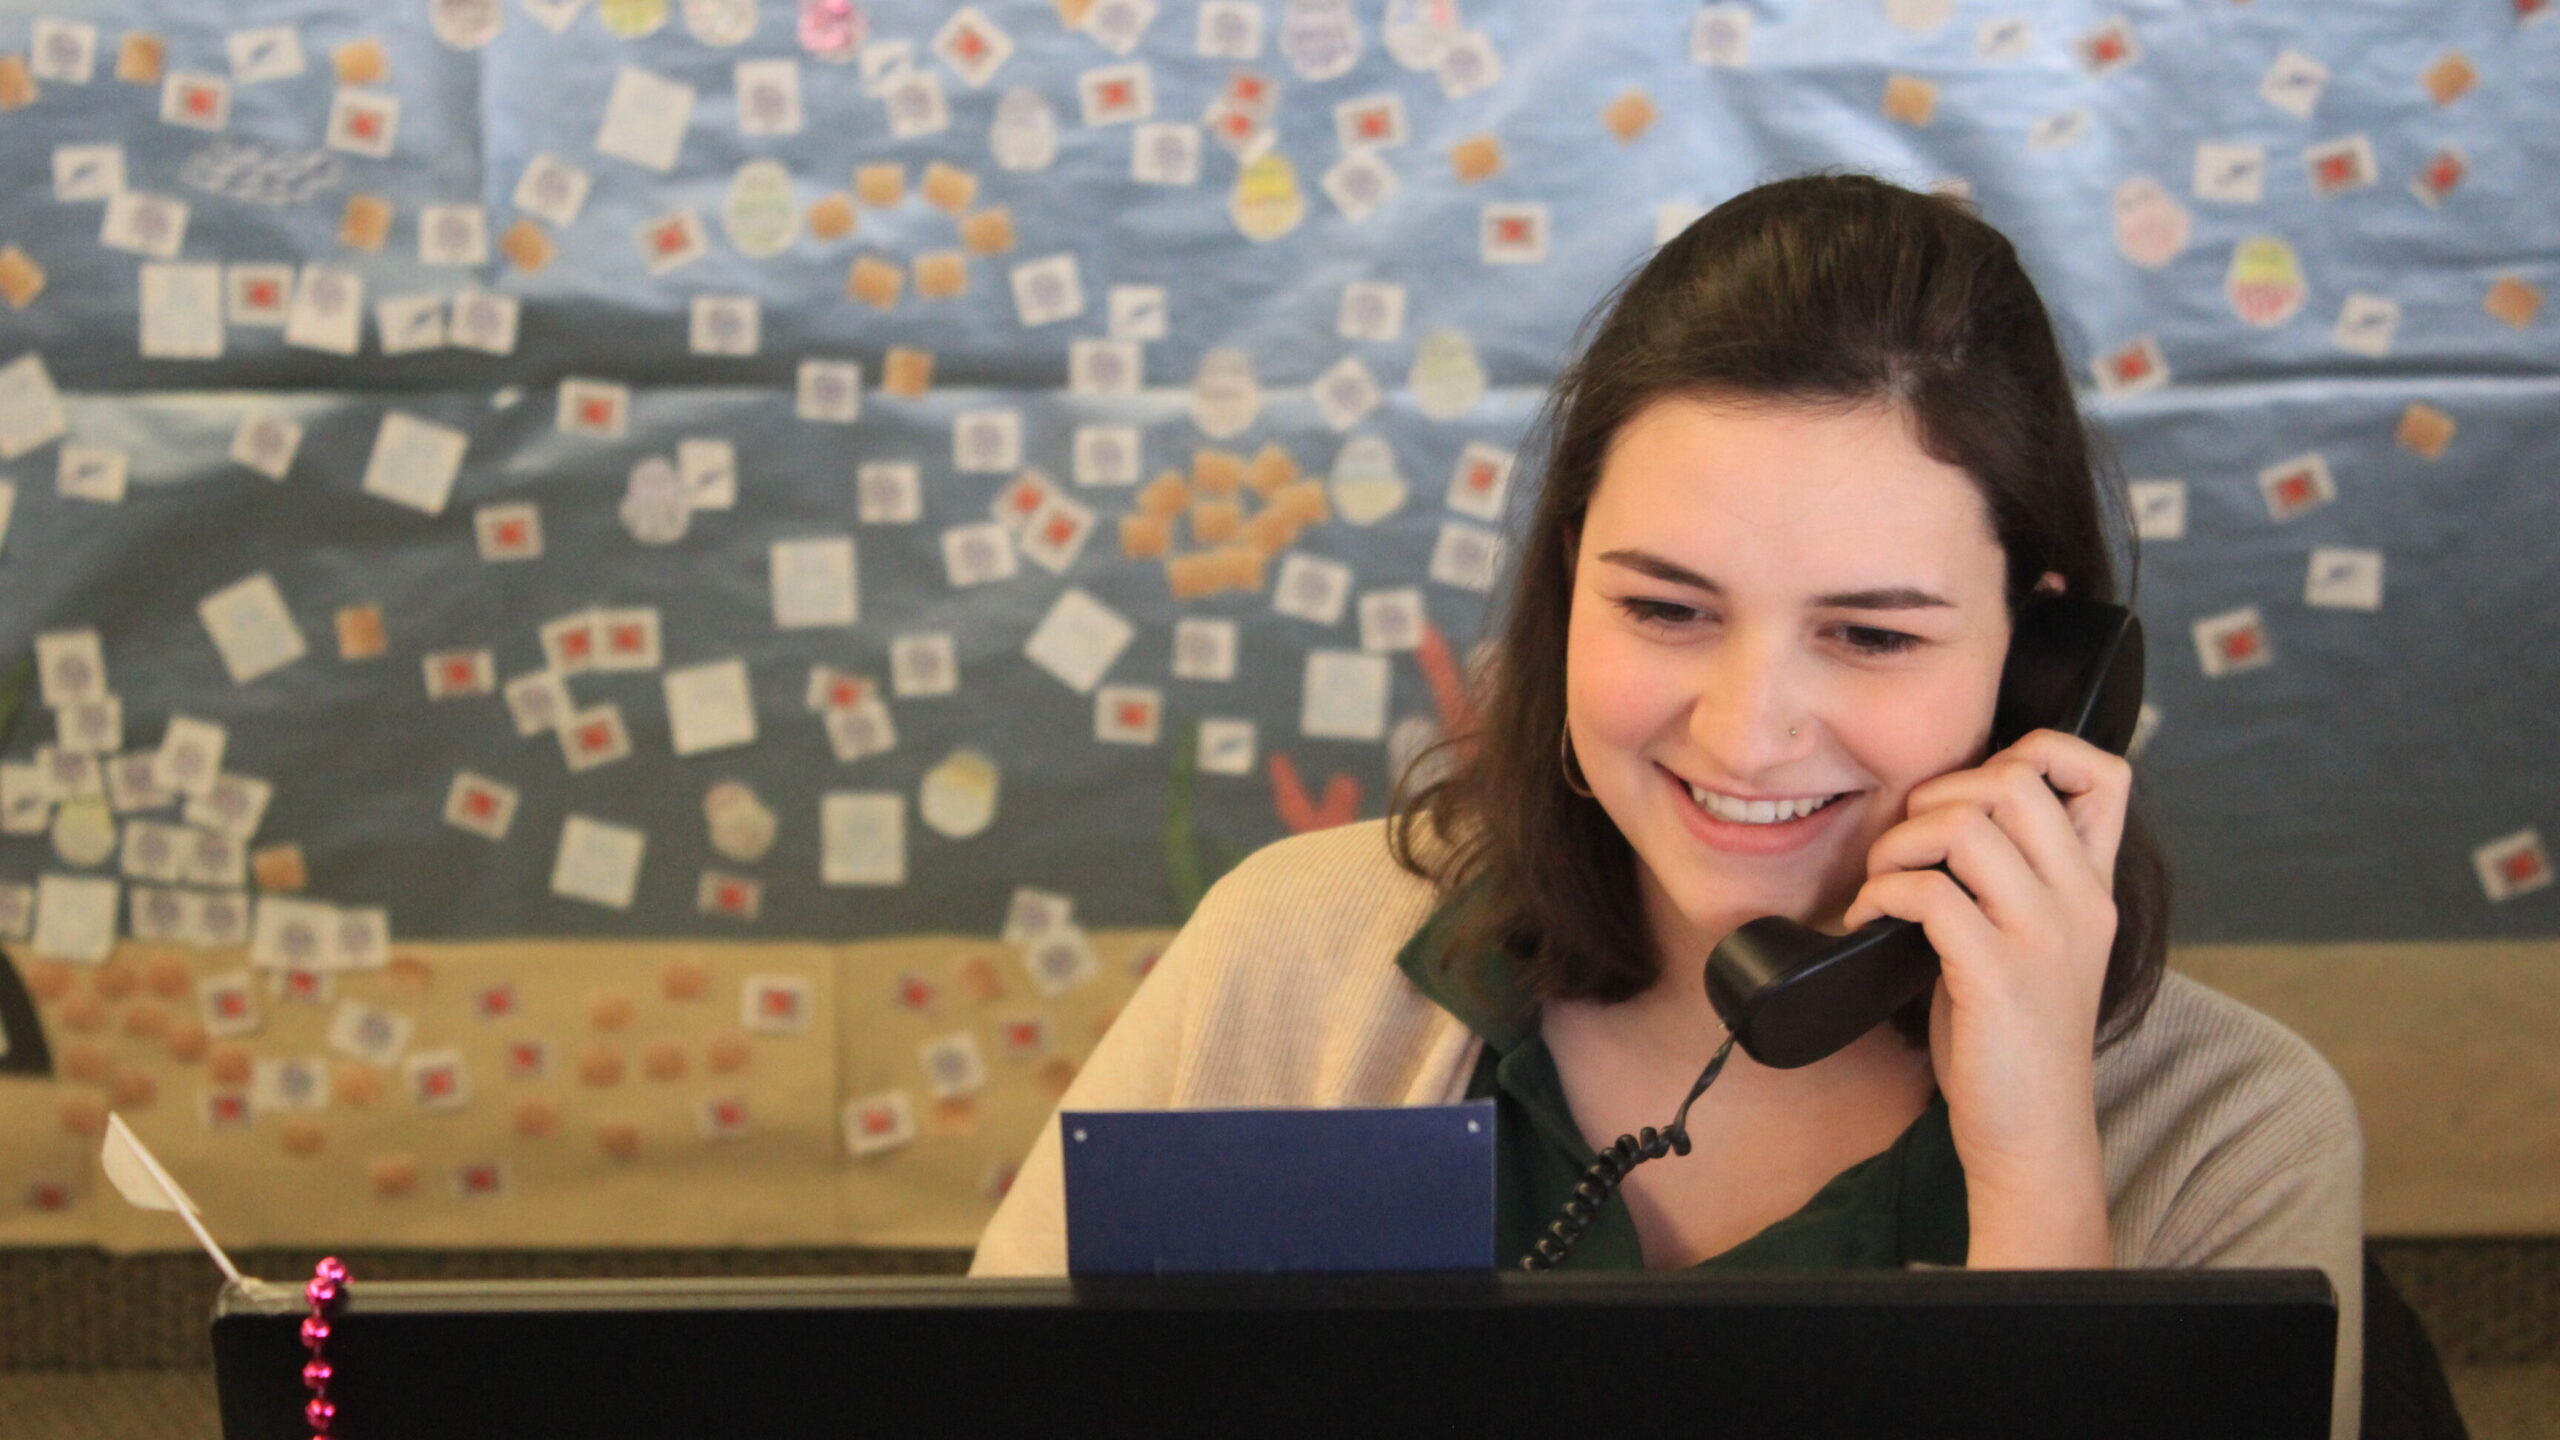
(2032,835)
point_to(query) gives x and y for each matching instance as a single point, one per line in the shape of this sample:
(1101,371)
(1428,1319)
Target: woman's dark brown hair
(1823,290)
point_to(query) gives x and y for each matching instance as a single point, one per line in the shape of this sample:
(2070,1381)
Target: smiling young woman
(1817,455)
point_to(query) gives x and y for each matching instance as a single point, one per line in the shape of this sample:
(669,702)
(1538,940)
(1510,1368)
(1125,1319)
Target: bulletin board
(628,622)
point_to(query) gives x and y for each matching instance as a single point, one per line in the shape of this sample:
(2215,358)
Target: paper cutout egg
(1417,31)
(466,24)
(1024,134)
(759,214)
(1366,486)
(1447,380)
(2265,283)
(742,825)
(2151,226)
(1267,202)
(84,831)
(958,798)
(1321,38)
(1224,394)
(720,22)
(632,19)
(833,30)
(656,507)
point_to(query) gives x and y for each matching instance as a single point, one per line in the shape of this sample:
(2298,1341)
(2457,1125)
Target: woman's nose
(1749,713)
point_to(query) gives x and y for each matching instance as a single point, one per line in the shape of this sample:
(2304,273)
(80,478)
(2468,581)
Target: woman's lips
(1734,838)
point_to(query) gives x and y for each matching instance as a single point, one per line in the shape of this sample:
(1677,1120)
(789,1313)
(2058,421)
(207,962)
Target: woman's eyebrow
(1890,597)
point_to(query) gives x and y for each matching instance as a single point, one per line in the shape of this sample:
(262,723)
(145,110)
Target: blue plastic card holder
(1165,1192)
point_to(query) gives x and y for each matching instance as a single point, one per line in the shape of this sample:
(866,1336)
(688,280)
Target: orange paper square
(1630,115)
(360,633)
(1191,576)
(360,62)
(880,186)
(1215,522)
(21,278)
(989,232)
(1071,13)
(2450,78)
(1475,158)
(831,216)
(1272,468)
(279,867)
(941,274)
(2513,301)
(906,372)
(367,223)
(1220,472)
(139,58)
(17,83)
(1165,496)
(1270,532)
(1145,537)
(1240,567)
(875,282)
(2425,429)
(948,186)
(527,246)
(1304,502)
(1910,100)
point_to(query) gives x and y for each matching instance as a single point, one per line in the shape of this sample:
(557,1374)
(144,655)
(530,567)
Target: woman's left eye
(1868,640)
(1656,612)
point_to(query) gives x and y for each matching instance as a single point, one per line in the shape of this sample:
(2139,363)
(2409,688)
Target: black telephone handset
(1793,995)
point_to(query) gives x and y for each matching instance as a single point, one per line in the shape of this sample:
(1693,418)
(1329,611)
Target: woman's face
(1776,609)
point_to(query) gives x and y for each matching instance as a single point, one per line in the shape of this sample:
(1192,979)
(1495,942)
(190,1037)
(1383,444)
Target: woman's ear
(2051,583)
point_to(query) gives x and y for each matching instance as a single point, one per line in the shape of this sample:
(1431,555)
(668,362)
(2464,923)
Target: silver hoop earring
(1573,781)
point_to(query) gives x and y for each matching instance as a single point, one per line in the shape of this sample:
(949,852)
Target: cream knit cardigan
(2228,1140)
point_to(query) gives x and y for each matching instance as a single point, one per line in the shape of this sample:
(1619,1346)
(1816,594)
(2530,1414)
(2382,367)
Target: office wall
(729,572)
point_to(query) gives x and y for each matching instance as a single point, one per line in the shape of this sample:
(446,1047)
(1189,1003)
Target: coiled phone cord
(1607,1173)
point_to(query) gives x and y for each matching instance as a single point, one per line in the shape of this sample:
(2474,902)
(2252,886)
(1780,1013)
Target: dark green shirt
(1903,1205)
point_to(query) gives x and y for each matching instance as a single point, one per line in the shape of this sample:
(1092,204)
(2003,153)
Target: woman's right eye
(1656,612)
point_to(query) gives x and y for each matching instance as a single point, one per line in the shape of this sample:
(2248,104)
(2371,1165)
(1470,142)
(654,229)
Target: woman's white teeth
(1757,812)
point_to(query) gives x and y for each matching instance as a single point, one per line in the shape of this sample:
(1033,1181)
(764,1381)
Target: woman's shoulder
(1343,875)
(2204,1066)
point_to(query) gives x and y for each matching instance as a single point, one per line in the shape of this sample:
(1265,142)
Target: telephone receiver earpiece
(1792,995)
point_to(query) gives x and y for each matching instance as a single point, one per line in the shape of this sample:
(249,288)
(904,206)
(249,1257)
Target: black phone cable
(1609,1171)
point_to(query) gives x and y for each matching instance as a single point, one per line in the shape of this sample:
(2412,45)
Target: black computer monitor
(1931,1353)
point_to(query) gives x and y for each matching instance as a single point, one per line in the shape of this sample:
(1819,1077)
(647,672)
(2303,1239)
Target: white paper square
(293,934)
(829,392)
(1105,367)
(1117,94)
(90,472)
(598,862)
(1204,648)
(1311,588)
(1468,65)
(986,442)
(1138,312)
(251,628)
(725,325)
(1514,234)
(877,1123)
(768,97)
(645,118)
(979,554)
(260,295)
(1358,184)
(2367,325)
(75,918)
(8,507)
(234,805)
(888,492)
(915,104)
(538,700)
(479,805)
(485,321)
(923,665)
(2344,579)
(628,638)
(709,707)
(328,310)
(2232,641)
(31,411)
(1345,697)
(70,667)
(1047,290)
(813,583)
(552,189)
(974,46)
(146,224)
(1229,30)
(671,240)
(410,323)
(190,755)
(87,172)
(709,467)
(363,123)
(1346,393)
(1226,747)
(268,52)
(2293,83)
(1165,154)
(1078,640)
(414,462)
(182,312)
(2230,173)
(594,407)
(1107,454)
(1392,620)
(1371,310)
(65,51)
(195,100)
(2159,508)
(1465,556)
(859,731)
(1478,484)
(863,838)
(453,235)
